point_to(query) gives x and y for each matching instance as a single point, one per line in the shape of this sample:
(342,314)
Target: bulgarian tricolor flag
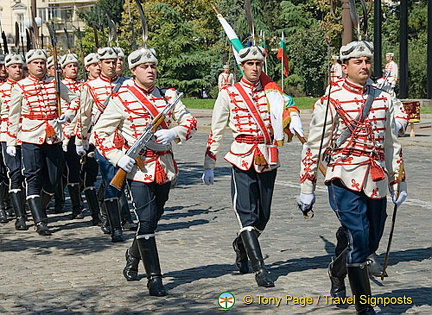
(282,55)
(232,36)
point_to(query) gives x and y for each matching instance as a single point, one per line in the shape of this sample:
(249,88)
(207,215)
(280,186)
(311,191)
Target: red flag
(282,56)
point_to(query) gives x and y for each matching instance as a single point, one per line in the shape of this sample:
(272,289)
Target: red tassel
(259,158)
(160,175)
(376,171)
(49,131)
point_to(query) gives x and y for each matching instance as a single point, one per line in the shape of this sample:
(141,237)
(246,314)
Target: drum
(413,110)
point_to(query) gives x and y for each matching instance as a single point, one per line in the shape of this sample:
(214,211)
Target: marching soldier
(391,69)
(364,156)
(225,78)
(130,111)
(50,66)
(14,67)
(3,73)
(33,102)
(95,96)
(335,70)
(253,156)
(69,65)
(91,63)
(120,60)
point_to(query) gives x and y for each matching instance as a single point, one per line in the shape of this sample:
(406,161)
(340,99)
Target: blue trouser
(363,219)
(14,167)
(251,195)
(108,172)
(42,166)
(73,166)
(148,200)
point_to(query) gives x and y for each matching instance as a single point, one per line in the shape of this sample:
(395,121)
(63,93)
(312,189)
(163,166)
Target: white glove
(11,150)
(80,150)
(165,136)
(63,119)
(85,144)
(306,201)
(402,196)
(208,177)
(64,147)
(296,126)
(398,126)
(126,163)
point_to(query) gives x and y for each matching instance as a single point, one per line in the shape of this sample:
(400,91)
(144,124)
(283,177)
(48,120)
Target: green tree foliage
(192,47)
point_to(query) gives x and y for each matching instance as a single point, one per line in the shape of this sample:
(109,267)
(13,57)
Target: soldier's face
(3,72)
(51,71)
(145,74)
(15,71)
(108,67)
(120,65)
(71,70)
(252,69)
(37,68)
(94,70)
(358,70)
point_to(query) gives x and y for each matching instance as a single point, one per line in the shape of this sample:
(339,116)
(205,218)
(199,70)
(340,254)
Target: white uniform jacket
(5,94)
(369,159)
(392,69)
(336,72)
(248,137)
(34,101)
(69,128)
(128,113)
(93,95)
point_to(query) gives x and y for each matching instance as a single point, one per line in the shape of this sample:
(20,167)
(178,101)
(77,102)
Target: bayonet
(56,65)
(143,23)
(131,25)
(354,17)
(5,44)
(249,18)
(68,41)
(17,38)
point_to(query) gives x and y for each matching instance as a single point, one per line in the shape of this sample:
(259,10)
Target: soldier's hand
(85,144)
(165,136)
(208,177)
(126,163)
(306,201)
(11,150)
(296,126)
(401,198)
(63,119)
(65,147)
(80,150)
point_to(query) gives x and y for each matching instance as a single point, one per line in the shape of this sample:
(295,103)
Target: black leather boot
(374,267)
(253,250)
(93,205)
(150,258)
(18,206)
(337,272)
(105,225)
(39,217)
(127,222)
(45,200)
(133,258)
(241,256)
(75,196)
(3,215)
(112,207)
(360,286)
(59,197)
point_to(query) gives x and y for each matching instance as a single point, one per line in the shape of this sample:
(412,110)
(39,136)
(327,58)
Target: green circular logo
(226,300)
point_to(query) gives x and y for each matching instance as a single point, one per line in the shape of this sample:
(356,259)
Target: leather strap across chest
(254,112)
(149,106)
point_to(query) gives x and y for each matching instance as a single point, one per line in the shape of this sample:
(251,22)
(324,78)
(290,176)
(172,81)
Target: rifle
(5,44)
(143,143)
(56,65)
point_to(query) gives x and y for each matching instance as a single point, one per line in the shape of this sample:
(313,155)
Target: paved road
(79,270)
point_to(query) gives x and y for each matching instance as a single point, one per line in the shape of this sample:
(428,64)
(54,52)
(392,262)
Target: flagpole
(282,66)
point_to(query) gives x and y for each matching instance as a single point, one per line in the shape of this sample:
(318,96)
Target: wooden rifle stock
(120,176)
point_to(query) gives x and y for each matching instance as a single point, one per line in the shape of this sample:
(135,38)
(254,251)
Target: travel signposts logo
(226,300)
